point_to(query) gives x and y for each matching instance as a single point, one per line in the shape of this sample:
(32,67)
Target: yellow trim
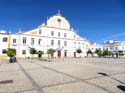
(3,56)
(53,37)
(33,32)
(58,28)
(9,40)
(46,27)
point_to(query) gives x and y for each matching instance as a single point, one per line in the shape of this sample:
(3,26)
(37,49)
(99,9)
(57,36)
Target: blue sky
(96,20)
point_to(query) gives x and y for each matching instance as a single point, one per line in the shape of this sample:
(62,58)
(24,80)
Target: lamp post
(63,54)
(47,50)
(25,50)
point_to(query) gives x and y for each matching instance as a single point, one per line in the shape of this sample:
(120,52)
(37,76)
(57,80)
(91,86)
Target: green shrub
(11,52)
(100,53)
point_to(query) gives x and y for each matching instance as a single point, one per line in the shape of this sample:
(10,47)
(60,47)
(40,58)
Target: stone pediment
(57,21)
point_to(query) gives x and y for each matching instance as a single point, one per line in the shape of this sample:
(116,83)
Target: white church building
(56,33)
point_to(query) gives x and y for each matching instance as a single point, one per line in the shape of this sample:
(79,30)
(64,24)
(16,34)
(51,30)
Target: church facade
(56,33)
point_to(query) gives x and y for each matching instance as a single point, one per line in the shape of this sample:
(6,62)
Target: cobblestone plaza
(80,75)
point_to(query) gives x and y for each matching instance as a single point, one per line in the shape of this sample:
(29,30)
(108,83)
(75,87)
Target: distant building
(114,45)
(94,47)
(55,33)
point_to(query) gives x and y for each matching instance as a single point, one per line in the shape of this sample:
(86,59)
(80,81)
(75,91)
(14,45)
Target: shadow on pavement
(104,74)
(121,87)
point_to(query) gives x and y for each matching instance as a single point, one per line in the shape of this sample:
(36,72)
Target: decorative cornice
(53,37)
(57,28)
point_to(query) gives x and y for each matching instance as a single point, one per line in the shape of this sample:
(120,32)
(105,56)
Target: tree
(110,53)
(107,53)
(97,50)
(40,53)
(79,51)
(11,53)
(100,53)
(51,52)
(33,51)
(120,53)
(89,52)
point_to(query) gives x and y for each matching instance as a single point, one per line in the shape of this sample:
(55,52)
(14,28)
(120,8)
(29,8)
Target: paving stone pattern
(80,75)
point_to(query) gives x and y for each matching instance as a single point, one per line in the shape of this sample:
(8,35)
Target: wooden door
(59,54)
(65,54)
(74,54)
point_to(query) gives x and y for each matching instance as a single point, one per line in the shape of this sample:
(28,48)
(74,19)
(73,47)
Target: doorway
(74,54)
(59,54)
(65,54)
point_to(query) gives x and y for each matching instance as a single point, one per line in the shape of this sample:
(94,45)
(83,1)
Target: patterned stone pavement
(81,75)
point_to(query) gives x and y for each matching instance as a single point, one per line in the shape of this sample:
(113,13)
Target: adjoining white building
(55,33)
(114,45)
(93,47)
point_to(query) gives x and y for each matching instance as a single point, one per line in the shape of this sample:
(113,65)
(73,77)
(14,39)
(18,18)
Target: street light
(25,50)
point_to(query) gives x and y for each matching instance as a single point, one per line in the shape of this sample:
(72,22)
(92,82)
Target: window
(52,42)
(87,46)
(116,48)
(79,43)
(24,40)
(59,20)
(23,52)
(52,33)
(14,40)
(58,42)
(74,43)
(74,36)
(5,39)
(32,41)
(39,41)
(83,44)
(65,43)
(58,34)
(40,31)
(122,48)
(111,48)
(4,51)
(65,34)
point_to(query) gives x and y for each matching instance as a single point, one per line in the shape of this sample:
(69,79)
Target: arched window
(40,31)
(59,23)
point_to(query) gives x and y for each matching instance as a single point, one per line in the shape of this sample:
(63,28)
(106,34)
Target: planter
(12,59)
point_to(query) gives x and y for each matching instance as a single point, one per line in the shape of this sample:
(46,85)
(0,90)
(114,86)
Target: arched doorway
(65,54)
(59,53)
(74,54)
